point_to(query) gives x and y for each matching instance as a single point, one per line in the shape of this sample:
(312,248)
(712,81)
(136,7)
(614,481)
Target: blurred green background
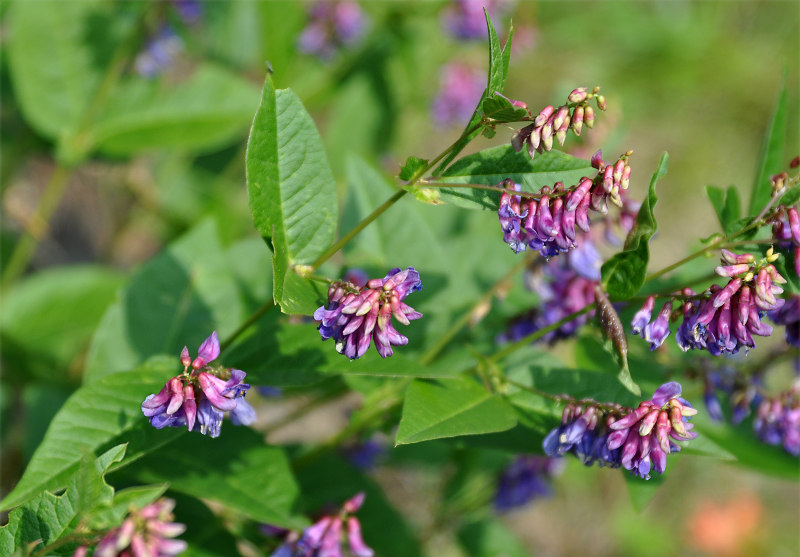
(696,79)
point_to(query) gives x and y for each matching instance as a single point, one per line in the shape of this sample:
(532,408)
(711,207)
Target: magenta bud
(619,168)
(735,258)
(601,102)
(543,116)
(561,136)
(794,224)
(729,290)
(597,160)
(547,142)
(560,118)
(354,503)
(578,95)
(186,360)
(577,120)
(730,271)
(626,177)
(588,117)
(189,406)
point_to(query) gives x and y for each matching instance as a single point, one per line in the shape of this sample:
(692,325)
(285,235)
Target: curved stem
(256,315)
(38,224)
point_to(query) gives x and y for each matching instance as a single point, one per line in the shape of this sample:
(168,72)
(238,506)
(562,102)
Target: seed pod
(610,322)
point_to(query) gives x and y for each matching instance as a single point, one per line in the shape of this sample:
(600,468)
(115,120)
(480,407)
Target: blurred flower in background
(460,89)
(464,19)
(159,53)
(331,26)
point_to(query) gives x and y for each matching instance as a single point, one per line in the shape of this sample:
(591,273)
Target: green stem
(536,335)
(37,228)
(445,339)
(268,305)
(444,153)
(533,390)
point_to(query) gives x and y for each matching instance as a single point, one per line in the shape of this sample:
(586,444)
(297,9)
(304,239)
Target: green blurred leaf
(492,166)
(496,80)
(727,206)
(47,319)
(450,408)
(490,538)
(47,517)
(205,532)
(211,108)
(237,470)
(771,162)
(411,168)
(177,299)
(94,416)
(291,189)
(624,274)
(57,53)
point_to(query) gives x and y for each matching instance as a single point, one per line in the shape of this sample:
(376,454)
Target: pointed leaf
(492,166)
(174,300)
(771,154)
(436,409)
(290,185)
(624,274)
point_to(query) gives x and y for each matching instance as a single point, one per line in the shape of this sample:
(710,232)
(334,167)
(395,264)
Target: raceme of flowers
(724,319)
(354,316)
(611,435)
(547,223)
(199,397)
(554,123)
(148,531)
(324,537)
(525,479)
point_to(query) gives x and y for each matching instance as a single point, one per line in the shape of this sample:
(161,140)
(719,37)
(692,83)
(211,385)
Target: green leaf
(490,538)
(727,206)
(138,496)
(205,532)
(492,166)
(791,197)
(211,108)
(94,416)
(236,470)
(501,110)
(642,491)
(771,162)
(292,192)
(47,517)
(57,52)
(624,274)
(411,168)
(436,409)
(175,300)
(46,321)
(496,80)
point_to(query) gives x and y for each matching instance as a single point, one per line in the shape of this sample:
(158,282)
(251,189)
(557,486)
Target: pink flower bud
(601,102)
(732,270)
(597,160)
(577,120)
(561,116)
(186,360)
(794,224)
(578,95)
(543,116)
(588,117)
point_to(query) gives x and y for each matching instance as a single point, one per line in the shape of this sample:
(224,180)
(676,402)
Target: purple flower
(657,331)
(777,421)
(324,537)
(789,317)
(159,53)
(200,397)
(332,25)
(190,11)
(638,440)
(355,316)
(642,317)
(526,478)
(364,454)
(460,89)
(145,532)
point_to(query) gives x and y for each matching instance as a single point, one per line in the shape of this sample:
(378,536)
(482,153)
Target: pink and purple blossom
(525,479)
(355,316)
(148,531)
(460,89)
(332,25)
(199,397)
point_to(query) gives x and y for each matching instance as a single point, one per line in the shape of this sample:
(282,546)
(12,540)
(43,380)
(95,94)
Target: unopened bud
(543,116)
(578,95)
(597,160)
(588,117)
(795,162)
(601,102)
(561,116)
(577,120)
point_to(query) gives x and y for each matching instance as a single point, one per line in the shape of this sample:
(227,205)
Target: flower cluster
(777,421)
(198,397)
(724,319)
(554,123)
(144,532)
(638,440)
(323,538)
(789,316)
(354,316)
(332,25)
(464,19)
(564,287)
(525,479)
(547,222)
(461,87)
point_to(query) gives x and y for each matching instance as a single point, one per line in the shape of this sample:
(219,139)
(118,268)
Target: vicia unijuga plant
(524,247)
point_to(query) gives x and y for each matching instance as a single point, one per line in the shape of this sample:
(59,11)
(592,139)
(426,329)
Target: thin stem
(536,335)
(358,228)
(440,345)
(38,226)
(268,305)
(452,146)
(533,390)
